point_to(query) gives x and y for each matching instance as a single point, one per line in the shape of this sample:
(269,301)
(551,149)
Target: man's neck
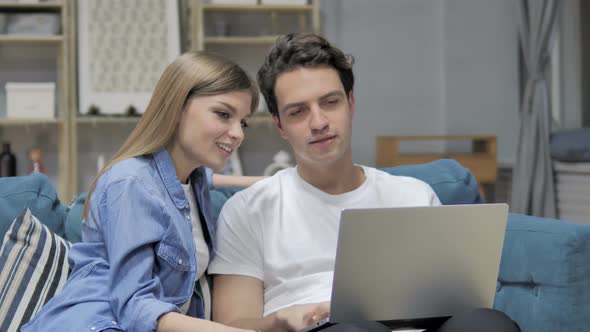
(333,179)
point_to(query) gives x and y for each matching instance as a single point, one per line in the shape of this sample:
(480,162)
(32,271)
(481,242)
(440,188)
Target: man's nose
(318,120)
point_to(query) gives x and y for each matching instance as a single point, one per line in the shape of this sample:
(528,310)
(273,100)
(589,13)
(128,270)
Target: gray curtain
(533,190)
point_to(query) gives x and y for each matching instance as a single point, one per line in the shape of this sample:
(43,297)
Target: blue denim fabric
(137,258)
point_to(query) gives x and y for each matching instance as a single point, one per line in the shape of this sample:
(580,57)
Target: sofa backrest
(453,183)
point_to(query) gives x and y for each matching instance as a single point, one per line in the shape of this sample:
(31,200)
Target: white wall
(427,67)
(398,50)
(481,71)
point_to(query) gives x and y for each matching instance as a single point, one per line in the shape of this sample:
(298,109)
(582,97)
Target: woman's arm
(220,180)
(175,322)
(134,220)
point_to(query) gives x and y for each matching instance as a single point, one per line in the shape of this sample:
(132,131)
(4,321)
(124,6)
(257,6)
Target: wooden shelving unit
(69,125)
(257,8)
(61,121)
(30,39)
(30,122)
(308,18)
(24,6)
(201,10)
(262,40)
(95,120)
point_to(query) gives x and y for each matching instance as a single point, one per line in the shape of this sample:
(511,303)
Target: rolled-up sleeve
(134,222)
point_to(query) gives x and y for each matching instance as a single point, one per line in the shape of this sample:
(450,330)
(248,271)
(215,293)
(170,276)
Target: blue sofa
(544,279)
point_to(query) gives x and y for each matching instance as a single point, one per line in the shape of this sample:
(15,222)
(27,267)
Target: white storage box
(30,100)
(32,24)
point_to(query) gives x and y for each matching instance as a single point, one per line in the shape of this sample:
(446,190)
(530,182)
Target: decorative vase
(7,161)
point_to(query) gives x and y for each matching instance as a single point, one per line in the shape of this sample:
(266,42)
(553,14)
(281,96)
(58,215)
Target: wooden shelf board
(257,8)
(107,119)
(261,40)
(57,5)
(30,39)
(27,122)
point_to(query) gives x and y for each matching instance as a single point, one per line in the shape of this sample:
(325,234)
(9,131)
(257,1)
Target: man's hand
(299,316)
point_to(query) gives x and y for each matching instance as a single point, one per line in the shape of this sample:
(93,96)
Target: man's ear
(351,101)
(277,122)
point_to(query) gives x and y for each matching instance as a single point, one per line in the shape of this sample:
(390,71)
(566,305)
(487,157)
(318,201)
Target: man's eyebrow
(327,95)
(293,105)
(333,94)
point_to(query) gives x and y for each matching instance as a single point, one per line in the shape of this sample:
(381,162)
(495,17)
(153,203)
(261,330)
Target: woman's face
(210,129)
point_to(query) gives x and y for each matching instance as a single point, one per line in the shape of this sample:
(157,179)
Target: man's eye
(296,112)
(332,101)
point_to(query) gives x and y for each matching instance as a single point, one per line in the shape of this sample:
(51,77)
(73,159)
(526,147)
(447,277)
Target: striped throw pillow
(33,268)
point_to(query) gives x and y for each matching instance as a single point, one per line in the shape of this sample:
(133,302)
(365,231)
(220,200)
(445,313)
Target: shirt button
(114,322)
(93,328)
(180,261)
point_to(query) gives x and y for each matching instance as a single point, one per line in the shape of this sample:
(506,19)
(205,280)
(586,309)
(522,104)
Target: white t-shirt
(201,249)
(283,231)
(198,236)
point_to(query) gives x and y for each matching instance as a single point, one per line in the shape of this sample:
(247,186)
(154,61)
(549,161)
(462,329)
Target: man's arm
(239,301)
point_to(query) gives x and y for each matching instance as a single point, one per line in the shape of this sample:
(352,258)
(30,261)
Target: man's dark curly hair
(298,50)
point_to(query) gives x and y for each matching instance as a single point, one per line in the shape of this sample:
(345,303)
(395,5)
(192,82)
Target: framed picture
(124,47)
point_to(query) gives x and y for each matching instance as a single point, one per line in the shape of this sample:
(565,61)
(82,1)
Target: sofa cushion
(571,145)
(453,183)
(218,197)
(33,268)
(73,223)
(35,192)
(544,279)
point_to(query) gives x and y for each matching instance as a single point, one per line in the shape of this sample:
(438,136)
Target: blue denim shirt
(137,257)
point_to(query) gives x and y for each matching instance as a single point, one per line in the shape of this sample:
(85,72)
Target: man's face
(315,116)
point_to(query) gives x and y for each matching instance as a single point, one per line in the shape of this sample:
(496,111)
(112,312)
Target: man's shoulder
(384,179)
(264,192)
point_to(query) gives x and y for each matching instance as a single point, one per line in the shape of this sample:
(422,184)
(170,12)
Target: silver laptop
(415,267)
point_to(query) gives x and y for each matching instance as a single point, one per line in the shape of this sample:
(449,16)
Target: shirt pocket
(175,272)
(177,257)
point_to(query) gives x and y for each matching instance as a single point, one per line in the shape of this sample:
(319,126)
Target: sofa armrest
(35,192)
(544,279)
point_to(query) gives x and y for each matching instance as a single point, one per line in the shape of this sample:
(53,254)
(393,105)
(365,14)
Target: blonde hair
(191,74)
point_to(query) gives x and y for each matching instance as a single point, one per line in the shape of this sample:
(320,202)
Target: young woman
(147,236)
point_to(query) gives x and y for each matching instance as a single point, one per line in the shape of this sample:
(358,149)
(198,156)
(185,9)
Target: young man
(276,243)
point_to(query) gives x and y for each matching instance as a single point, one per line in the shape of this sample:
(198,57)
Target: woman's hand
(299,316)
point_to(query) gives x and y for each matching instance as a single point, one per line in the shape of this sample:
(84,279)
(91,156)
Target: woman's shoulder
(133,170)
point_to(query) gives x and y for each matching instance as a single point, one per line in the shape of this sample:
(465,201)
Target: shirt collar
(168,174)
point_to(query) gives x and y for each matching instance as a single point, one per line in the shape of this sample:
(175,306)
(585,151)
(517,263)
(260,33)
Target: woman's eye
(244,124)
(223,115)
